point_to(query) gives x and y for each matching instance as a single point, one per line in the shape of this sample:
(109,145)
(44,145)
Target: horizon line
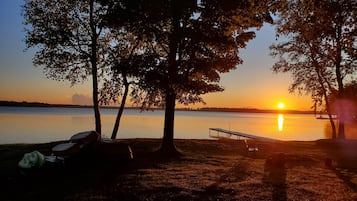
(208,109)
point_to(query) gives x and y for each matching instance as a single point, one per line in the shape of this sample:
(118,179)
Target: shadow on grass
(345,178)
(216,191)
(342,159)
(275,174)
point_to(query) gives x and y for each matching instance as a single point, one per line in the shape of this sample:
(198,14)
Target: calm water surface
(34,125)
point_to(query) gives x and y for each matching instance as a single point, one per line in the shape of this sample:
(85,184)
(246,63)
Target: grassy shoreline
(208,170)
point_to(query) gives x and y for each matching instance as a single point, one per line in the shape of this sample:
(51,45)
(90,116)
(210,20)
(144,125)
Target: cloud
(80,99)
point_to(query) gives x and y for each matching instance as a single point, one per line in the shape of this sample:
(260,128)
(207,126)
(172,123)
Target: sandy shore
(208,170)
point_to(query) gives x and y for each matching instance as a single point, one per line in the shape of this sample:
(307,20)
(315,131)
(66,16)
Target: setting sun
(281,105)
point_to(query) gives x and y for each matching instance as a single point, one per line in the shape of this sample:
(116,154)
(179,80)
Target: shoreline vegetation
(203,109)
(206,170)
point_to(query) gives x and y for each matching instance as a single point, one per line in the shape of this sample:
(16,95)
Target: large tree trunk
(168,147)
(98,126)
(332,123)
(339,77)
(94,37)
(121,109)
(341,129)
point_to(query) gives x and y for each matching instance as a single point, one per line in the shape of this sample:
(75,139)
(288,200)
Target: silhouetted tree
(319,48)
(125,57)
(342,32)
(192,43)
(68,36)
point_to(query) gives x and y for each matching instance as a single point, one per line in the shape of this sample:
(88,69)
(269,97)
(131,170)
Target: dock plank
(240,134)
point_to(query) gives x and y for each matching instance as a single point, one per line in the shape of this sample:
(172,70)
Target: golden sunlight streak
(280,122)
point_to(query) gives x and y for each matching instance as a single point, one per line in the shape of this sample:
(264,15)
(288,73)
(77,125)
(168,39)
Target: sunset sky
(252,85)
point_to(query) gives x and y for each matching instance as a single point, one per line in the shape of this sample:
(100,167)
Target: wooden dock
(229,134)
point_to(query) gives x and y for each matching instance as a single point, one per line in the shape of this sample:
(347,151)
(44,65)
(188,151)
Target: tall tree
(125,57)
(192,44)
(68,36)
(342,37)
(320,39)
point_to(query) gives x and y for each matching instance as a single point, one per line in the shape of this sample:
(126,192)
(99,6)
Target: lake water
(35,125)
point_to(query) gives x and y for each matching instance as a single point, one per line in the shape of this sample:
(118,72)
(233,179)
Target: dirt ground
(207,170)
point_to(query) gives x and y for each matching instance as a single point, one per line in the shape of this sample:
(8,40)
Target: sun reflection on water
(280,122)
(188,124)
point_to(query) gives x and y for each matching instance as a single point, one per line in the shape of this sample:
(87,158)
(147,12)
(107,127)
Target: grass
(207,170)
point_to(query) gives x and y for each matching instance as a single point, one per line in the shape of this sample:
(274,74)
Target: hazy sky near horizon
(252,84)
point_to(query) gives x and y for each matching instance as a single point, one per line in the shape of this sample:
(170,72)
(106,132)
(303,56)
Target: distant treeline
(253,110)
(207,109)
(39,104)
(33,104)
